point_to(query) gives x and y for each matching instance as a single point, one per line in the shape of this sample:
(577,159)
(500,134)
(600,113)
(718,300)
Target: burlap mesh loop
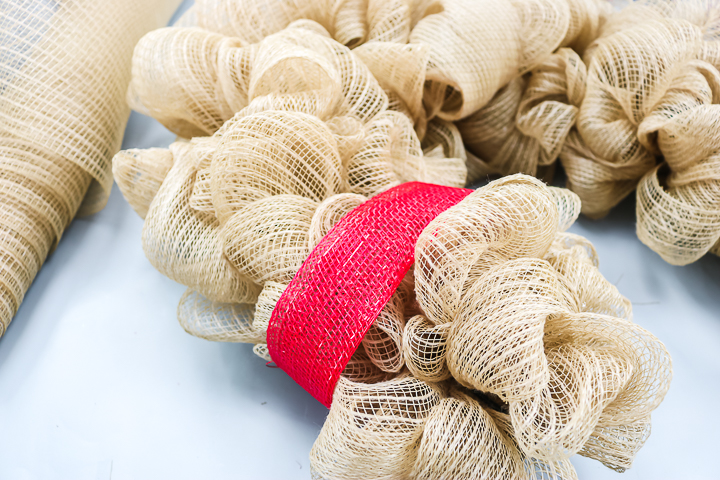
(523,128)
(328,213)
(139,174)
(510,218)
(496,344)
(176,80)
(193,80)
(472,67)
(425,349)
(361,369)
(267,299)
(273,153)
(267,240)
(389,154)
(185,244)
(383,341)
(461,440)
(681,220)
(220,322)
(400,69)
(620,94)
(544,25)
(373,430)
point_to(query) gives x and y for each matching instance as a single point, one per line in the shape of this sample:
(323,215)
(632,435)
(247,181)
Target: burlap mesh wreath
(503,351)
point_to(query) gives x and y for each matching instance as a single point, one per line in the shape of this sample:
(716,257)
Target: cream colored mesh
(504,351)
(461,440)
(681,219)
(267,240)
(185,244)
(219,322)
(64,70)
(391,153)
(361,369)
(253,20)
(349,134)
(176,79)
(425,349)
(651,94)
(193,80)
(139,174)
(272,153)
(383,341)
(268,298)
(525,126)
(509,218)
(328,213)
(496,344)
(470,66)
(400,69)
(373,430)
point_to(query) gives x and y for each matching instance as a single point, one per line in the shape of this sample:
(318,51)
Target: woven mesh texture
(373,431)
(525,125)
(652,95)
(139,174)
(64,68)
(461,440)
(528,321)
(185,244)
(296,217)
(510,218)
(333,295)
(272,153)
(193,80)
(220,322)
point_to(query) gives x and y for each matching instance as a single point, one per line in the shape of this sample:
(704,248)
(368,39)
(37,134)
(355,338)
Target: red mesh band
(322,317)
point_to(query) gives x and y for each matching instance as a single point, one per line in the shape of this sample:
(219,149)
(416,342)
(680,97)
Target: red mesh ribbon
(320,320)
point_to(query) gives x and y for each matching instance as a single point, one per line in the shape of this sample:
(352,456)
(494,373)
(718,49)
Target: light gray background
(98,380)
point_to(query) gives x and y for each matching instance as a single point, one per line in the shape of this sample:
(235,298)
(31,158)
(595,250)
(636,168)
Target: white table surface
(98,381)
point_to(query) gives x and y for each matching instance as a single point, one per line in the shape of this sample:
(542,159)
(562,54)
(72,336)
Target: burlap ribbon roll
(64,71)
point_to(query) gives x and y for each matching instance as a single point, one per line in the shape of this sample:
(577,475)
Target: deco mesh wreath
(317,213)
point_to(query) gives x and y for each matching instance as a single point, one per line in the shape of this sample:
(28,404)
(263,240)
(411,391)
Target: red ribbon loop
(337,293)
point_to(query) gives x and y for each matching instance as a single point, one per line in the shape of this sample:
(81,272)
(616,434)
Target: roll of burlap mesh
(454,334)
(64,70)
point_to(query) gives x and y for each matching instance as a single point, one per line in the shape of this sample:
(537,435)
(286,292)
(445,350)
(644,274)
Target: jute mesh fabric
(193,80)
(373,430)
(652,95)
(185,244)
(523,128)
(452,334)
(139,174)
(197,75)
(64,69)
(513,217)
(535,360)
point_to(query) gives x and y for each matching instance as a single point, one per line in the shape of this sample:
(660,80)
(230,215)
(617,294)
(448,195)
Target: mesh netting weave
(64,69)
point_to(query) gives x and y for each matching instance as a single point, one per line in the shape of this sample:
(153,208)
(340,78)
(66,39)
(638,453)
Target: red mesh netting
(339,291)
